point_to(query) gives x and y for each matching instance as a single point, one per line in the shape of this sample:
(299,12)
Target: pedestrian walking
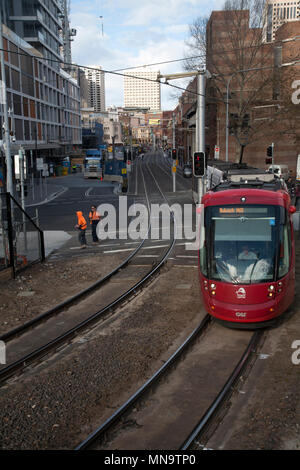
(94,217)
(81,226)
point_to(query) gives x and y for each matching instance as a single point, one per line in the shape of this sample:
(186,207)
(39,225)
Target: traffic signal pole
(200,119)
(200,127)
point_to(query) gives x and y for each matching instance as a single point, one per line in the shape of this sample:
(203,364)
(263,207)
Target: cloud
(135,33)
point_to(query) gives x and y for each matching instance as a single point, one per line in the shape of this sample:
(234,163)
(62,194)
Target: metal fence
(21,240)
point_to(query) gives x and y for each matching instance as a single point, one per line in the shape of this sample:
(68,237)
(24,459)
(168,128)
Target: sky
(132,33)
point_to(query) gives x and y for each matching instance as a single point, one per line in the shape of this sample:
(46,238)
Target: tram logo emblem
(241,293)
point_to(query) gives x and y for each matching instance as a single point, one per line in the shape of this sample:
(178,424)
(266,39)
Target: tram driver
(246,254)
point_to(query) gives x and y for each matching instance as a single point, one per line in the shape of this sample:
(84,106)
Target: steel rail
(61,339)
(213,408)
(147,385)
(100,431)
(8,336)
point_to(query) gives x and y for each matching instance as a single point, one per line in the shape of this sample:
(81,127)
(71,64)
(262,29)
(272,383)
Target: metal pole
(174,146)
(227,115)
(10,232)
(9,179)
(200,126)
(21,164)
(32,174)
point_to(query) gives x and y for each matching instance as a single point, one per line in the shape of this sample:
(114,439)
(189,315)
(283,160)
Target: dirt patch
(43,286)
(58,403)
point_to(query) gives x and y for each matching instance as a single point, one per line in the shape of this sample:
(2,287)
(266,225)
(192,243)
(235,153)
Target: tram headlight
(213,286)
(271,291)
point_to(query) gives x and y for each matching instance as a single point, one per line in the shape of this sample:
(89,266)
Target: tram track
(12,334)
(23,352)
(132,425)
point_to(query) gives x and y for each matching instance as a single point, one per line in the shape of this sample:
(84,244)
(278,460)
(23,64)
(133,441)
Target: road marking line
(118,251)
(156,246)
(87,193)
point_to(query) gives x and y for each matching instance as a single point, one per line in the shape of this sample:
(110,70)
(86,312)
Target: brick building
(259,100)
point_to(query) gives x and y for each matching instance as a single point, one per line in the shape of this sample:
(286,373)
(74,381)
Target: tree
(196,44)
(239,62)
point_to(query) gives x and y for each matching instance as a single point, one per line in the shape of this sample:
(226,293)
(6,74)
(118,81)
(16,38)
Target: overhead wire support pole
(174,147)
(200,126)
(200,115)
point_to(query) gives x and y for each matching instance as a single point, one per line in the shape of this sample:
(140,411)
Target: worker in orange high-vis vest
(81,226)
(94,217)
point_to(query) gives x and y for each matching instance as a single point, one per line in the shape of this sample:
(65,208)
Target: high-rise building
(277,13)
(141,89)
(93,89)
(43,99)
(38,22)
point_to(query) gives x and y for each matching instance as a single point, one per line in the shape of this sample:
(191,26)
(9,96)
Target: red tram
(247,254)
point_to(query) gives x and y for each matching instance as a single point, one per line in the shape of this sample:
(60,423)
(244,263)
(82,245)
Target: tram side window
(202,254)
(284,255)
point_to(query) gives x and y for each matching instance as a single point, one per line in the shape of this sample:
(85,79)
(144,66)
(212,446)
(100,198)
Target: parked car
(187,171)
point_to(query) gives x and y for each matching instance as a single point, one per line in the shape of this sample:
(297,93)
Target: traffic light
(269,159)
(199,164)
(174,154)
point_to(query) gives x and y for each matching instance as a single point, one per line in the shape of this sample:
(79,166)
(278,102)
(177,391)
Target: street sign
(40,164)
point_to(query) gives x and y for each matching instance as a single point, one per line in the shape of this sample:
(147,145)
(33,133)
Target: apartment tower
(142,90)
(94,90)
(277,13)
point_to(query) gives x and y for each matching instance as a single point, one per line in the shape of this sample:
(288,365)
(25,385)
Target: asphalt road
(80,193)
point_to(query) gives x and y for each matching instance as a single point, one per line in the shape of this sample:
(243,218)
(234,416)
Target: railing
(21,240)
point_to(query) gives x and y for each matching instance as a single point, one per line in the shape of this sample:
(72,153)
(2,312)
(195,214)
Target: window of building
(15,80)
(25,107)
(27,130)
(32,109)
(14,57)
(19,129)
(17,105)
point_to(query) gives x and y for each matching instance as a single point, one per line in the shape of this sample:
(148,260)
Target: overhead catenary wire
(118,72)
(103,70)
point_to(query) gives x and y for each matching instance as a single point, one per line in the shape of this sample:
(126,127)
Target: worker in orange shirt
(81,226)
(94,217)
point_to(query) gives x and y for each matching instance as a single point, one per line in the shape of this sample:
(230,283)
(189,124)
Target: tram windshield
(242,243)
